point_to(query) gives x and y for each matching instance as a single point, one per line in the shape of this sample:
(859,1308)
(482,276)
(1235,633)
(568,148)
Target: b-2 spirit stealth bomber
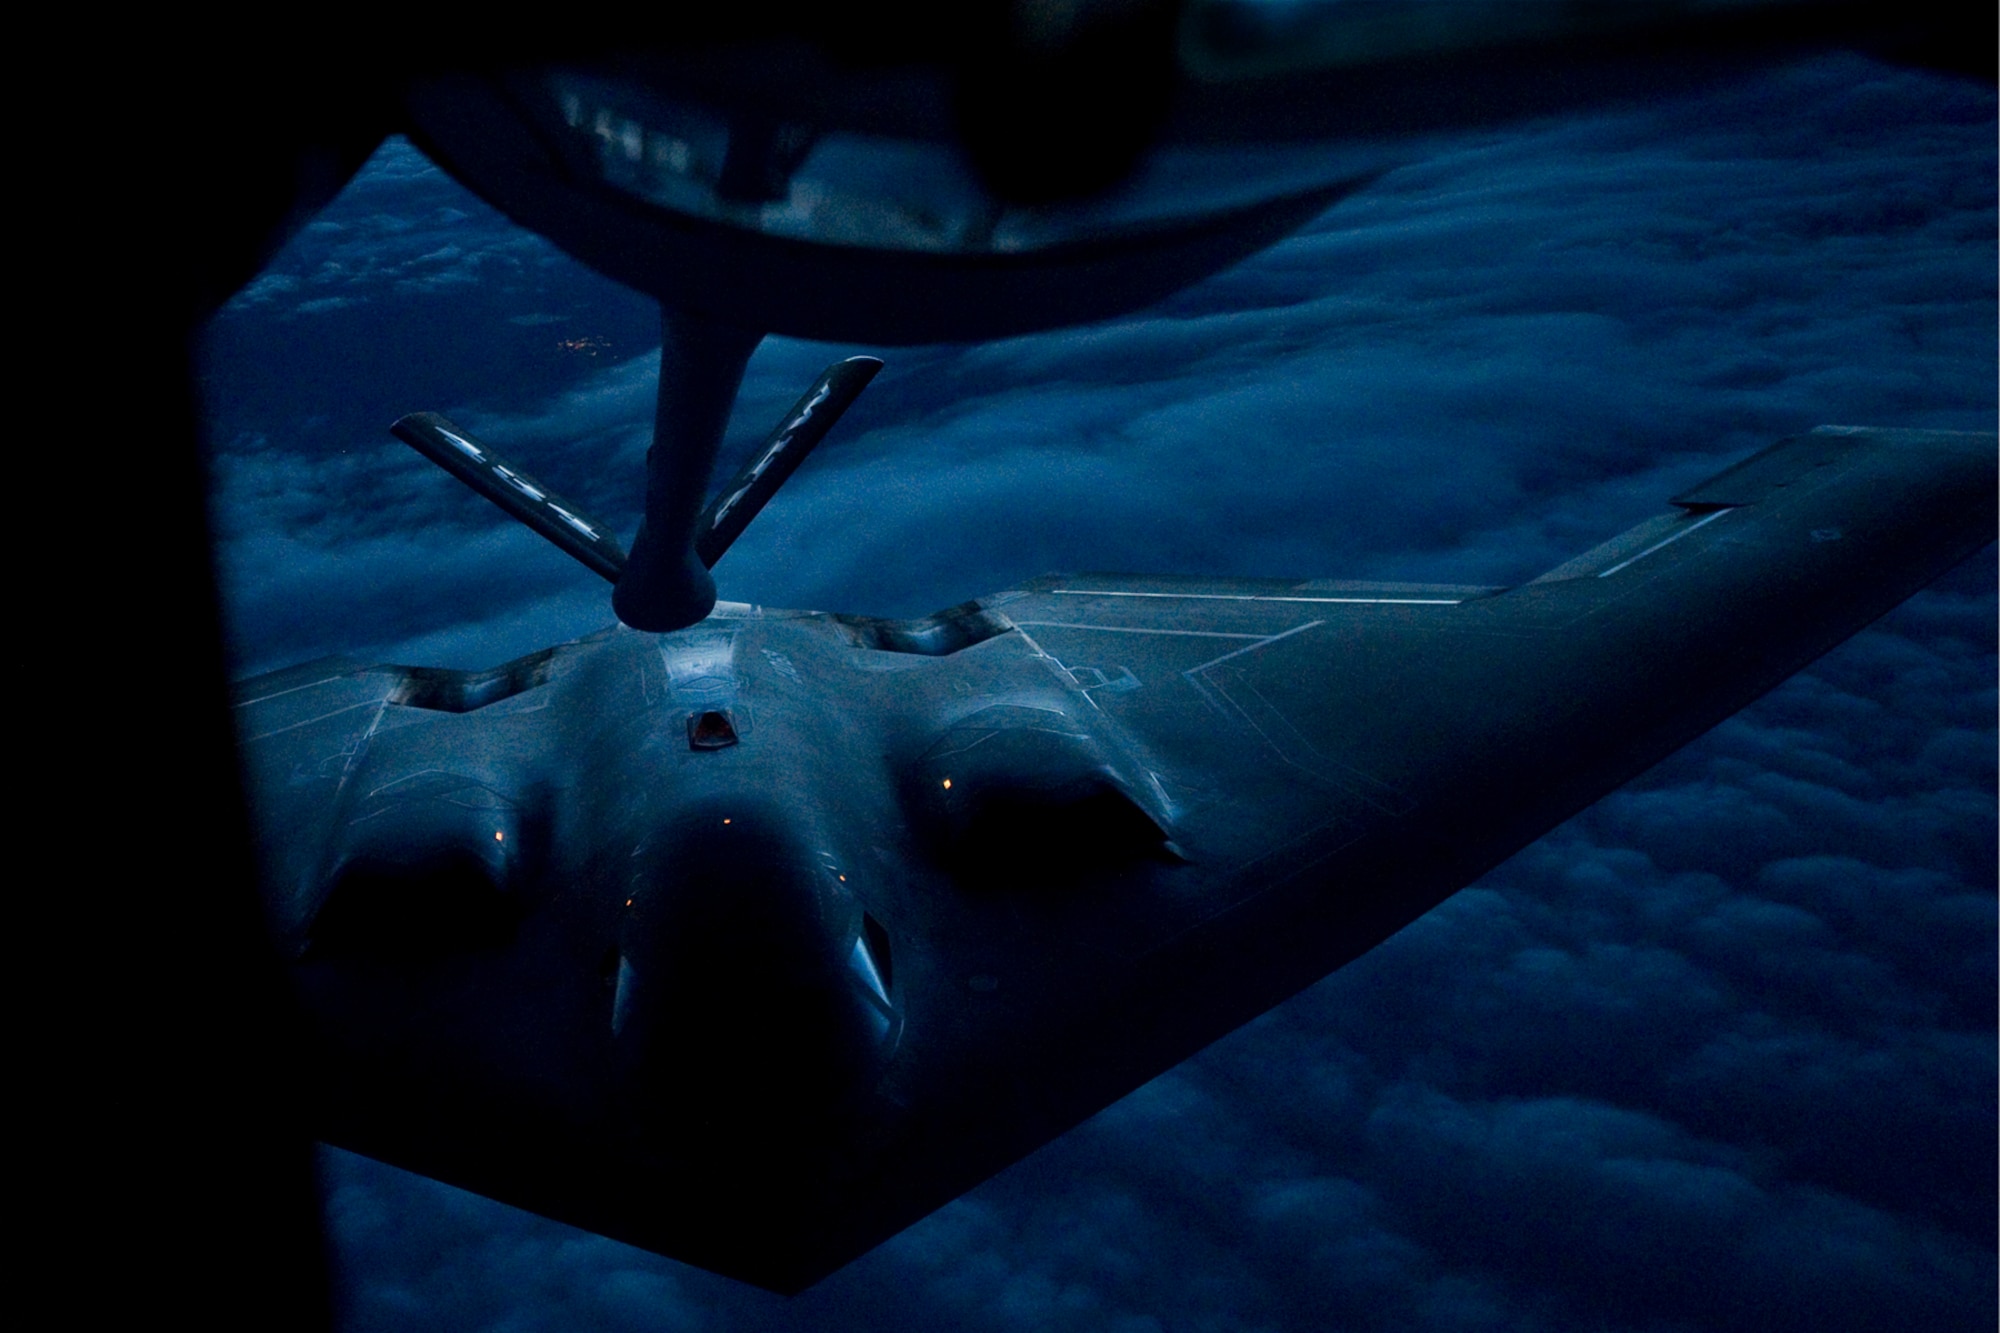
(753,942)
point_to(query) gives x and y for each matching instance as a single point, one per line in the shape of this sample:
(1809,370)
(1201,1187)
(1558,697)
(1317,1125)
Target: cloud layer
(1718,1053)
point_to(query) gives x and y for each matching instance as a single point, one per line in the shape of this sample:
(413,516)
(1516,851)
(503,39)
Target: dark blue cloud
(1718,1053)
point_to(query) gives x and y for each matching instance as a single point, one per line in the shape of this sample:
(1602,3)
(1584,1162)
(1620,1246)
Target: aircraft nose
(736,1008)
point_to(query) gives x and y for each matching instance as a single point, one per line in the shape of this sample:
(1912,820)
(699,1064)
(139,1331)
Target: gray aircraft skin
(164,1114)
(753,942)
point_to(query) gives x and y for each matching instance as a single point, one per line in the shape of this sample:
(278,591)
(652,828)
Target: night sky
(1718,1053)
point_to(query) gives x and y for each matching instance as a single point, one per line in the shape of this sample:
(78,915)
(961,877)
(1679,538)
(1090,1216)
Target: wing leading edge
(1053,842)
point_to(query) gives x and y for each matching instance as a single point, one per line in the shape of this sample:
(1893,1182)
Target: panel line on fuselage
(1140,629)
(1255,597)
(293,726)
(1194,671)
(1669,541)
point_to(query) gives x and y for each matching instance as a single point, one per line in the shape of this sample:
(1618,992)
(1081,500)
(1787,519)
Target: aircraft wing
(795,926)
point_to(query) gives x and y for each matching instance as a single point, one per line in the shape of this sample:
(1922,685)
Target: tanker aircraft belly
(752,943)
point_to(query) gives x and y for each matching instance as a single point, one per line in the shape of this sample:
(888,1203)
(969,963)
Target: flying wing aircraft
(175,1018)
(753,942)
